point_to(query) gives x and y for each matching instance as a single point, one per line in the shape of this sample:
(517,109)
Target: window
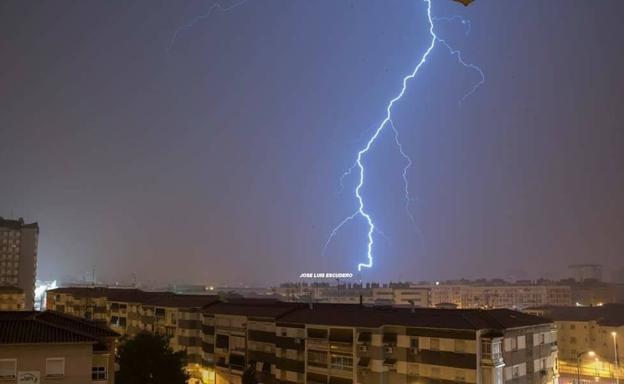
(317,359)
(55,367)
(341,362)
(414,342)
(98,373)
(8,368)
(572,340)
(541,338)
(222,341)
(572,326)
(237,343)
(435,344)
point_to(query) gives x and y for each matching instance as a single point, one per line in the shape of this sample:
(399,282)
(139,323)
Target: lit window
(55,367)
(8,368)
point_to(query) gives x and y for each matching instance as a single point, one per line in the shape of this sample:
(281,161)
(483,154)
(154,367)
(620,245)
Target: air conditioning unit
(297,340)
(414,350)
(363,348)
(388,349)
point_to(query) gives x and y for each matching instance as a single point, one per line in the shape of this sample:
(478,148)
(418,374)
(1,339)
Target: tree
(148,359)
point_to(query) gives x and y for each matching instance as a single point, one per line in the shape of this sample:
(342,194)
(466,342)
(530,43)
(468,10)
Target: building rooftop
(611,315)
(326,314)
(28,327)
(373,317)
(16,224)
(133,295)
(263,308)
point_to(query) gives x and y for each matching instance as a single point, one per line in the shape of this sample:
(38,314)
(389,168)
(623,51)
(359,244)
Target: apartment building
(515,296)
(127,311)
(339,343)
(287,342)
(357,293)
(130,311)
(48,347)
(12,298)
(18,256)
(589,336)
(467,294)
(357,344)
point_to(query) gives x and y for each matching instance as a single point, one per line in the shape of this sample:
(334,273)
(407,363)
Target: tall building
(18,256)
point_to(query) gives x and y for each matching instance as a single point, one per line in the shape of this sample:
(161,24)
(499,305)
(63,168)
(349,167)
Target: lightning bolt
(358,166)
(462,20)
(214,8)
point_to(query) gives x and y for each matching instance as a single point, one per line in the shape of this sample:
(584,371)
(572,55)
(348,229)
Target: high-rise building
(18,256)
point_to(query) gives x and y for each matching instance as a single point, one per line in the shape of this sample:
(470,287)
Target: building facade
(18,256)
(46,347)
(495,294)
(290,342)
(12,299)
(516,296)
(590,337)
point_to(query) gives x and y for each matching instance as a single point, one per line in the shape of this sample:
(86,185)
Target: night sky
(219,160)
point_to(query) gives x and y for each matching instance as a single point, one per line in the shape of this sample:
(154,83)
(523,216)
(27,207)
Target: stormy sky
(218,159)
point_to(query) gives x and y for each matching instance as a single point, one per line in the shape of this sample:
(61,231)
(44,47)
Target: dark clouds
(220,160)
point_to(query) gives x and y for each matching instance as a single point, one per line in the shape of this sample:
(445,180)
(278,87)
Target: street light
(616,359)
(578,364)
